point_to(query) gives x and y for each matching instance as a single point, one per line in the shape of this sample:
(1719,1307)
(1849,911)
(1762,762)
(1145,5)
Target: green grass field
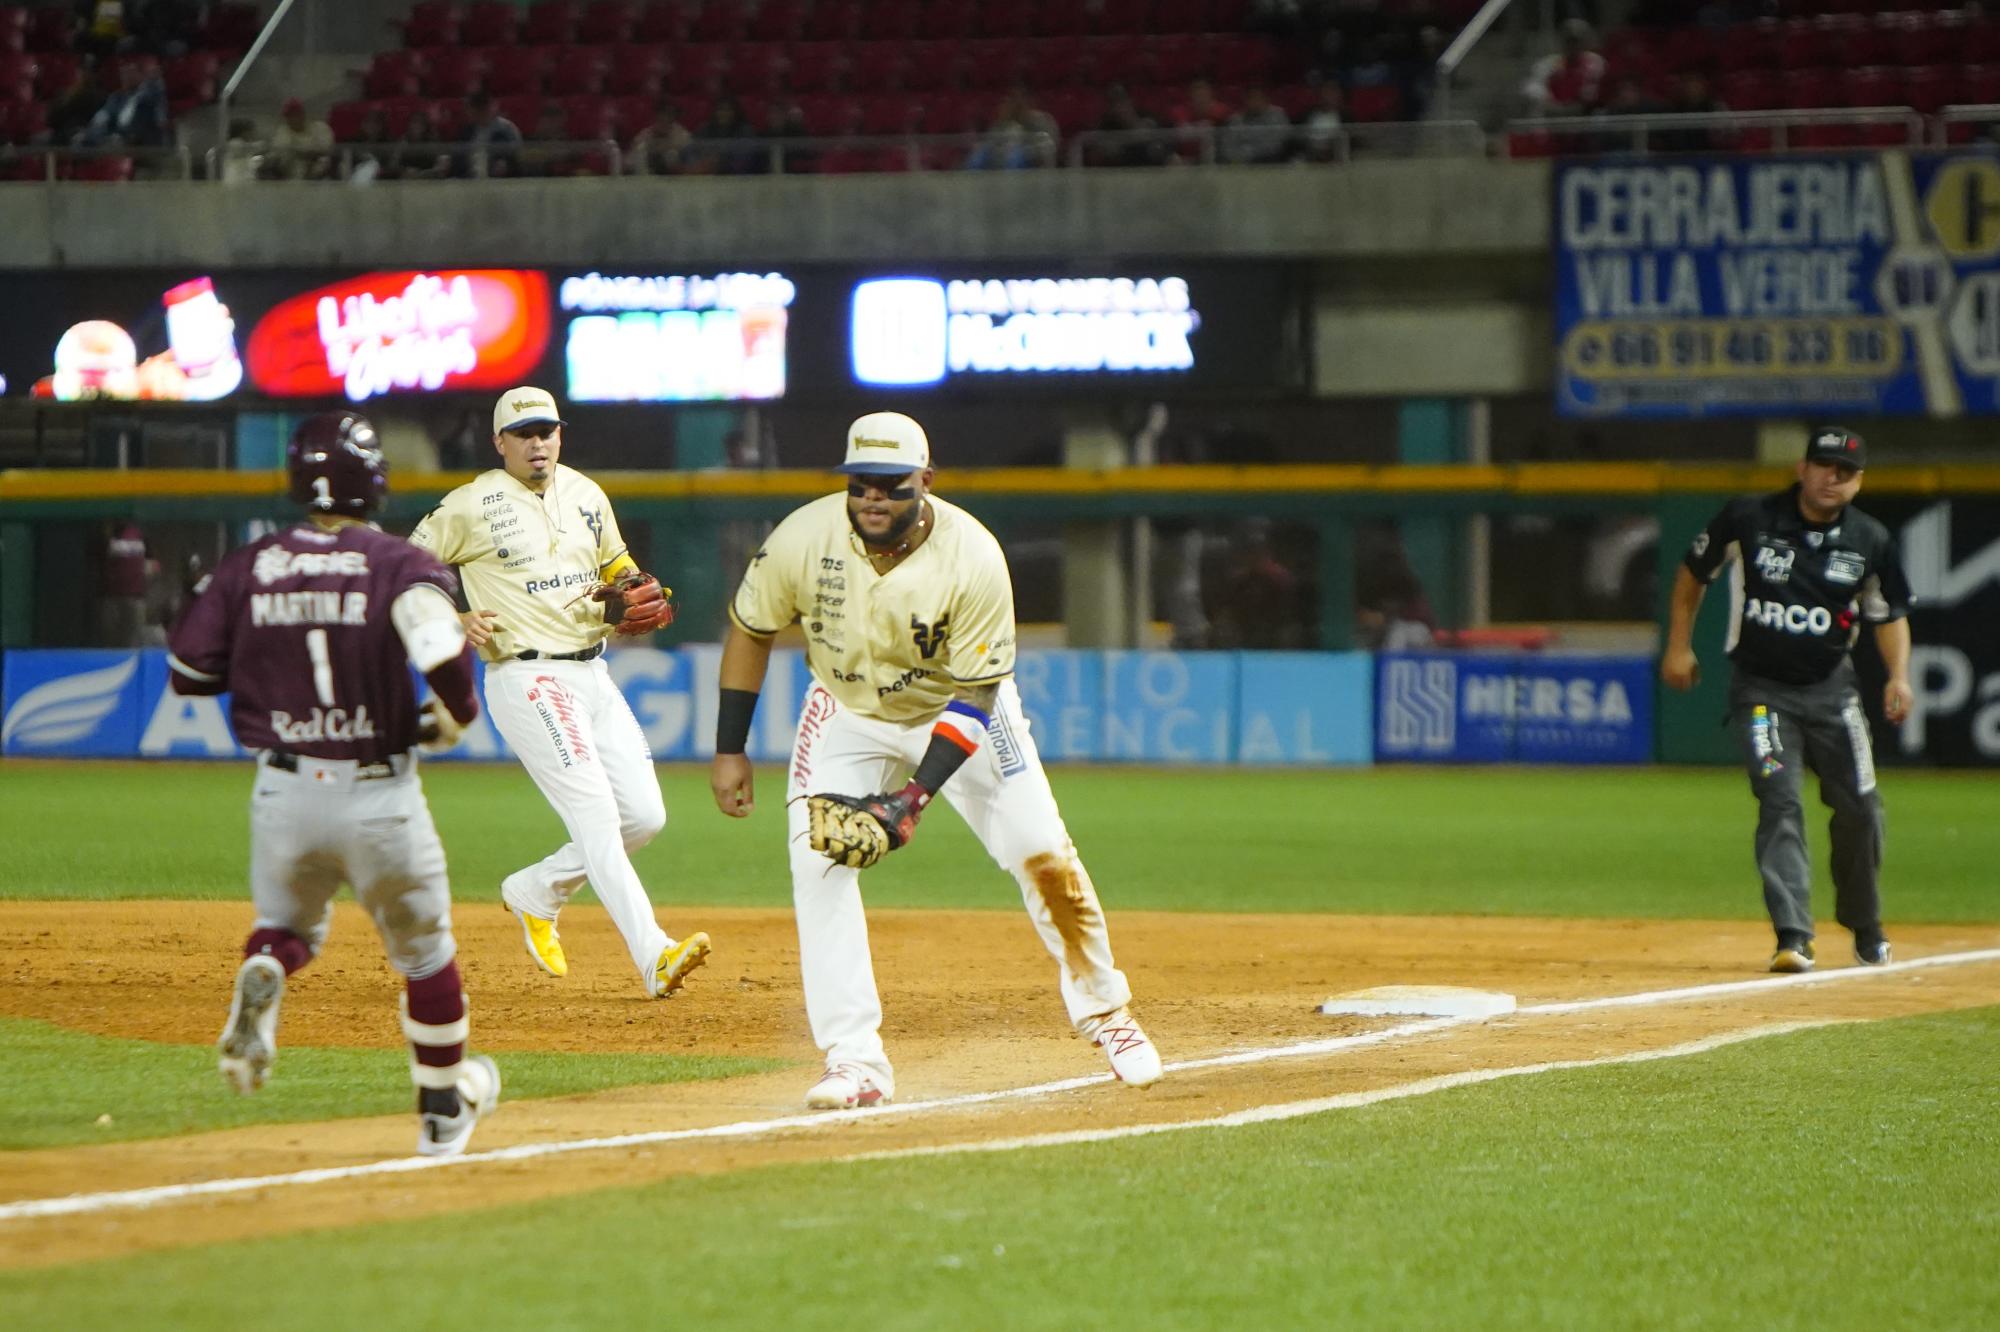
(1801,1181)
(1624,842)
(1841,1177)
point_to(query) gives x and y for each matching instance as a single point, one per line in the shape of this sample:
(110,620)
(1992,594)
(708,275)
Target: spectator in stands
(661,148)
(1569,82)
(551,128)
(786,119)
(71,109)
(1628,98)
(1198,119)
(134,116)
(418,156)
(1320,128)
(1691,96)
(1020,135)
(1259,132)
(492,135)
(372,159)
(1391,612)
(301,147)
(721,144)
(128,569)
(101,26)
(1420,77)
(242,153)
(1140,146)
(1259,604)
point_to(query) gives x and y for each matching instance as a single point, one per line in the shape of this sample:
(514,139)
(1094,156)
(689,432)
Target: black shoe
(1794,955)
(1871,950)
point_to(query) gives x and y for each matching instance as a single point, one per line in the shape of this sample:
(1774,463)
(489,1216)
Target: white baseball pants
(1003,794)
(577,737)
(318,824)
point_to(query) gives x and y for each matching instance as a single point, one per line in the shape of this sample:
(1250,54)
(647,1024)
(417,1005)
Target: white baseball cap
(524,406)
(886,444)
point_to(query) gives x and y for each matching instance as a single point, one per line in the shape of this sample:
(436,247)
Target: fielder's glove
(437,729)
(858,832)
(635,603)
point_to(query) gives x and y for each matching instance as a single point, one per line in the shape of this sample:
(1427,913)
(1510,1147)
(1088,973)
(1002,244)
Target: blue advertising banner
(1151,707)
(1434,707)
(1835,284)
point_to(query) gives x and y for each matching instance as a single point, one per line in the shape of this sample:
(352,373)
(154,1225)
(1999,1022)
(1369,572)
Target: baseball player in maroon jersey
(312,630)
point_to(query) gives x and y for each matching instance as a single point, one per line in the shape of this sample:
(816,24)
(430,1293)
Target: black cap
(1837,444)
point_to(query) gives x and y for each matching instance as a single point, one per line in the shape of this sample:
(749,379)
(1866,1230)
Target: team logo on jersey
(275,562)
(1813,539)
(930,638)
(1774,564)
(323,724)
(1843,567)
(594,520)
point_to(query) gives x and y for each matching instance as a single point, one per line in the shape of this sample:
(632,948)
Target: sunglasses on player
(903,490)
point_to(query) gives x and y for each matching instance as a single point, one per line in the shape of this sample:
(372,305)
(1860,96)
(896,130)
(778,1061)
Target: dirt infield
(971,1007)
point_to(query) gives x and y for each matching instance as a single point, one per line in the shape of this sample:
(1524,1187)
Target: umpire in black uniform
(1805,568)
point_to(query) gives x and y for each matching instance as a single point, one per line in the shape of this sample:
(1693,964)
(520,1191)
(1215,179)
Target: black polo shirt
(1799,590)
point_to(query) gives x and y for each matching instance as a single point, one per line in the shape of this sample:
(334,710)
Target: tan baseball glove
(844,830)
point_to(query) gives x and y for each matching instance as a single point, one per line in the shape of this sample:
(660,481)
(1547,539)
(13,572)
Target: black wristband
(732,720)
(941,760)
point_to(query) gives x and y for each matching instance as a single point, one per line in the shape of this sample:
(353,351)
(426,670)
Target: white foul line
(1267,1114)
(76,1204)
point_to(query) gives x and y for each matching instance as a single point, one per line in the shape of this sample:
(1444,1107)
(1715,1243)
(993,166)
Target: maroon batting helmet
(337,466)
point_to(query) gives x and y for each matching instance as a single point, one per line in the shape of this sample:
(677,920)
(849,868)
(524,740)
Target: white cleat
(1135,1060)
(846,1087)
(249,1043)
(478,1093)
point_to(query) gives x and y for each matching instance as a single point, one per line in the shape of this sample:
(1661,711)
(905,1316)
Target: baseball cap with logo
(524,406)
(1836,444)
(885,444)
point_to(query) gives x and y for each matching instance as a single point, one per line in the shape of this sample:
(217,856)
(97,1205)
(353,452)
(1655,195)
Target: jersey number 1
(322,661)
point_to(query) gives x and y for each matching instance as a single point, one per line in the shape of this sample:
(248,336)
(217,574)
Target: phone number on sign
(1733,348)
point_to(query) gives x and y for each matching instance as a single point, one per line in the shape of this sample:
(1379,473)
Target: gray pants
(1783,729)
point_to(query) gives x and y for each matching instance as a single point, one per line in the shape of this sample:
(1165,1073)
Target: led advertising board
(674,338)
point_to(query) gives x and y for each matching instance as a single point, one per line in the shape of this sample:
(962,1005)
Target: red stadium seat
(50,27)
(1979,43)
(56,67)
(1748,46)
(1689,48)
(1978,85)
(695,68)
(97,169)
(1382,101)
(1053,62)
(1920,42)
(524,109)
(815,66)
(1115,59)
(1295,99)
(346,119)
(606,22)
(955,112)
(825,112)
(1175,59)
(1060,18)
(589,117)
(1751,90)
(18,68)
(946,18)
(835,21)
(1074,108)
(886,22)
(1872,86)
(518,69)
(191,79)
(636,70)
(932,64)
(758,68)
(1004,20)
(490,23)
(1863,44)
(431,23)
(778,21)
(449,117)
(455,72)
(663,23)
(1243,59)
(1120,16)
(1179,16)
(718,23)
(1801,45)
(1805,88)
(395,74)
(580,69)
(1234,15)
(633,113)
(550,23)
(231,27)
(991,62)
(875,67)
(1929,88)
(890,113)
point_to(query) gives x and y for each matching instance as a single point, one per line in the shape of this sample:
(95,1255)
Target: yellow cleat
(677,961)
(544,943)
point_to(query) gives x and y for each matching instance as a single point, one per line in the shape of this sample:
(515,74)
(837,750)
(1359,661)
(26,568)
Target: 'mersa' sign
(922,331)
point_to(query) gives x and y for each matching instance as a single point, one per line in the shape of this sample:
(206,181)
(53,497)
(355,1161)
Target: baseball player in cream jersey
(547,580)
(908,611)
